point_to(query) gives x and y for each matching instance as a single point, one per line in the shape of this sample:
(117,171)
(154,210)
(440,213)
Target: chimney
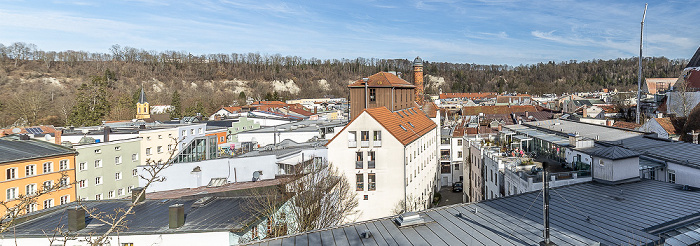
(585,114)
(609,122)
(176,216)
(23,137)
(142,126)
(527,114)
(366,81)
(76,219)
(135,195)
(57,136)
(545,206)
(418,79)
(695,136)
(105,136)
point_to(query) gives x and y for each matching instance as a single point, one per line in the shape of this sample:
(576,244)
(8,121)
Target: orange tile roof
(383,79)
(231,109)
(468,95)
(414,121)
(475,110)
(44,129)
(507,99)
(301,111)
(626,125)
(269,103)
(667,125)
(431,109)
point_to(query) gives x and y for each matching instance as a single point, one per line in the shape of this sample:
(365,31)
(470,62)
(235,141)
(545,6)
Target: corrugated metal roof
(615,219)
(614,153)
(13,149)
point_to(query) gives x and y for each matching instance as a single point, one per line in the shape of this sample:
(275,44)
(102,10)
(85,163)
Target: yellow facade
(143,111)
(36,172)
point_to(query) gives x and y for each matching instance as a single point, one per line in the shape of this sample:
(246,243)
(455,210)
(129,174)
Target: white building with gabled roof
(390,158)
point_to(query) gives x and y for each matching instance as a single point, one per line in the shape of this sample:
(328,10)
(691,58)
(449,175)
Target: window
(148,138)
(63,165)
(364,136)
(11,173)
(159,149)
(372,95)
(47,185)
(31,207)
(134,157)
(456,166)
(98,163)
(191,131)
(459,142)
(65,181)
(170,147)
(459,154)
(120,191)
(360,183)
(184,133)
(118,160)
(148,151)
(352,139)
(48,167)
(98,197)
(48,203)
(601,162)
(11,193)
(82,184)
(110,194)
(98,180)
(370,163)
(30,189)
(672,176)
(200,130)
(118,176)
(30,170)
(160,136)
(358,162)
(222,139)
(64,199)
(82,166)
(135,172)
(371,181)
(366,197)
(97,151)
(377,138)
(118,148)
(170,135)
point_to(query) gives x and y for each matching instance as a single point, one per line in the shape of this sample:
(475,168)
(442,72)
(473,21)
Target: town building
(381,90)
(390,157)
(107,170)
(159,143)
(31,166)
(143,110)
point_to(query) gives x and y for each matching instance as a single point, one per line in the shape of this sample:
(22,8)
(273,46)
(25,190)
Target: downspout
(405,185)
(366,80)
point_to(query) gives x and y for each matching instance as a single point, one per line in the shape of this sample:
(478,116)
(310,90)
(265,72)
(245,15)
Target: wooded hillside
(41,86)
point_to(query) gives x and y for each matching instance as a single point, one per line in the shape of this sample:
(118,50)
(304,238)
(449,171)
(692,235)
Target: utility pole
(639,78)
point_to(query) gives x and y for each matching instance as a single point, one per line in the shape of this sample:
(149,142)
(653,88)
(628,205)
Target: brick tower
(418,79)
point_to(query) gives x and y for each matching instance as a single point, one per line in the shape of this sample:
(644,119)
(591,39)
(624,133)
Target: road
(449,197)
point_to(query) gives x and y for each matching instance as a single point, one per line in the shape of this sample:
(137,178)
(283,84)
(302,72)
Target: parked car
(457,187)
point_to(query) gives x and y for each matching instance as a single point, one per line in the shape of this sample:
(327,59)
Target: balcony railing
(377,143)
(352,144)
(364,144)
(370,164)
(359,164)
(445,157)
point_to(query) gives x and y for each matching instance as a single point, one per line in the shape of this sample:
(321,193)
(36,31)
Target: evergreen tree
(242,98)
(176,110)
(92,105)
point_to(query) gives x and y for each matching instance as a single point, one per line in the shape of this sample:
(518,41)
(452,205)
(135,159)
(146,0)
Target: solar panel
(34,130)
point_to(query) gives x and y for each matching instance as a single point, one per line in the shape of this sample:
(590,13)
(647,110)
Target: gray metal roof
(151,217)
(13,149)
(614,153)
(618,215)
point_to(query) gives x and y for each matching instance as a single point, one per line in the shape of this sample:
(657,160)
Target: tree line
(42,87)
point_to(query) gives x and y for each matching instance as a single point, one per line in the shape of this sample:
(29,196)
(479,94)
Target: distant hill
(40,86)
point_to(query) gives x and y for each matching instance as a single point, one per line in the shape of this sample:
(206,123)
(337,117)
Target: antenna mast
(639,78)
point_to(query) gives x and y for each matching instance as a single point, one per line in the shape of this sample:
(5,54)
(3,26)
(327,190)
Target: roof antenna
(545,196)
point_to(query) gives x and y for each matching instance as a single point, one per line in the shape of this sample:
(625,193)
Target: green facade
(113,162)
(243,124)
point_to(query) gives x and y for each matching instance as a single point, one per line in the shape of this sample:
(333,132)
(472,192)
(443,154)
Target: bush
(436,198)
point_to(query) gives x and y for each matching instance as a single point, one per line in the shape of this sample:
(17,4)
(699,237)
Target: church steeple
(143,109)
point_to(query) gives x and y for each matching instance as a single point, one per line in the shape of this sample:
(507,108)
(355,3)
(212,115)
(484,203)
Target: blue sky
(483,32)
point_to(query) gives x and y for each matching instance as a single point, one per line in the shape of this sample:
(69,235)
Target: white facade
(615,170)
(156,145)
(401,172)
(211,238)
(653,126)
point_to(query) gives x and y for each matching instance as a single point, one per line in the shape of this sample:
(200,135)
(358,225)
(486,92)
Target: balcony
(352,144)
(377,143)
(445,157)
(364,144)
(370,164)
(359,165)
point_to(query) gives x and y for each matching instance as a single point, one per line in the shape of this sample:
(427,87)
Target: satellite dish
(47,137)
(16,130)
(256,175)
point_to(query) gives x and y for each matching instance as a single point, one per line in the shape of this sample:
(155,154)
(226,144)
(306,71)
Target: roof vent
(201,202)
(409,219)
(366,234)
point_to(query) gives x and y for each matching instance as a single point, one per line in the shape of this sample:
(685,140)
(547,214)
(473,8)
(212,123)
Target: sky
(509,32)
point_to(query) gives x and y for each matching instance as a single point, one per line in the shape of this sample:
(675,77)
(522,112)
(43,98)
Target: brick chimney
(57,136)
(418,79)
(584,112)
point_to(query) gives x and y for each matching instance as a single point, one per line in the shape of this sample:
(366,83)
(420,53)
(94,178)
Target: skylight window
(404,128)
(411,124)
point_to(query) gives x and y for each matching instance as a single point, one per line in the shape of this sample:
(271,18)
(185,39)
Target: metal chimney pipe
(366,92)
(545,196)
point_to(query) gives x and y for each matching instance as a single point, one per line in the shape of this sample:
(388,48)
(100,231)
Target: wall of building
(127,151)
(76,138)
(163,138)
(21,180)
(653,126)
(265,138)
(243,124)
(212,238)
(615,170)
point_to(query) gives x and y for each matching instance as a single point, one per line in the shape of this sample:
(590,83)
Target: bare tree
(681,100)
(22,204)
(316,196)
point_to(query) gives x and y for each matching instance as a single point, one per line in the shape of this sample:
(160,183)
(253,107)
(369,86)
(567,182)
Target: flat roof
(581,214)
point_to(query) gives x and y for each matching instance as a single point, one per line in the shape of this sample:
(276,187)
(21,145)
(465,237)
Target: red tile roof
(414,121)
(383,79)
(626,125)
(431,109)
(475,110)
(667,125)
(301,111)
(231,109)
(471,96)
